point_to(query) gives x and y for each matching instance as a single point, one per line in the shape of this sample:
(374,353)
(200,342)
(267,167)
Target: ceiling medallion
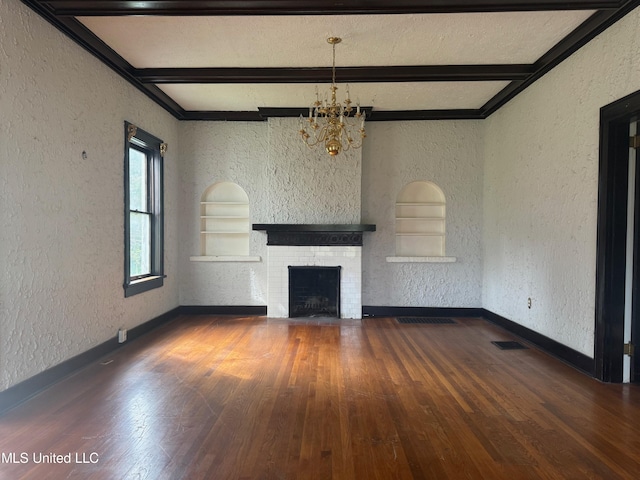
(332,123)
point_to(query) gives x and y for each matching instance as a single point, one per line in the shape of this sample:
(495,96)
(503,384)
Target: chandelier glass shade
(337,126)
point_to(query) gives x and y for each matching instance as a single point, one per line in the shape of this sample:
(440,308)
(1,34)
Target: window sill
(143,284)
(421,259)
(226,258)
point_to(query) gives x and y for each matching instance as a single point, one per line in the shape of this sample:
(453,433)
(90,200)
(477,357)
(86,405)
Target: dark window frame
(151,146)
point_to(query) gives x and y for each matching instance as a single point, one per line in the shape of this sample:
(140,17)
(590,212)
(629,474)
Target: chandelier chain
(332,122)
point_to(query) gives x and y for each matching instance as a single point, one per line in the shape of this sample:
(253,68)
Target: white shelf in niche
(420,221)
(226,258)
(421,259)
(224,224)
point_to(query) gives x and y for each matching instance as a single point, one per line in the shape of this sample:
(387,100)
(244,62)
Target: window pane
(137,180)
(139,244)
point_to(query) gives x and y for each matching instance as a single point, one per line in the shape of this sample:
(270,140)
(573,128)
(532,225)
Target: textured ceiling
(299,41)
(463,61)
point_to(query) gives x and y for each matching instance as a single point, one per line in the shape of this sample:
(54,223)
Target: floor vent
(509,345)
(427,320)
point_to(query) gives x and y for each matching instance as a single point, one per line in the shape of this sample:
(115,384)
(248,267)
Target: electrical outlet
(529,302)
(122,335)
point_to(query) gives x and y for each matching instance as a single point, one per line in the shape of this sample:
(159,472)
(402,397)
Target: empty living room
(319,240)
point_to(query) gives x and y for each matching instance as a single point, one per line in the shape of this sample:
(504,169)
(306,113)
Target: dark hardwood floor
(253,398)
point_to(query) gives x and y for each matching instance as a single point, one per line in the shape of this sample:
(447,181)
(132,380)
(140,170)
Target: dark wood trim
(399,115)
(313,227)
(258,310)
(315,239)
(295,112)
(94,45)
(635,294)
(264,113)
(612,236)
(61,14)
(314,234)
(406,73)
(382,311)
(150,145)
(562,352)
(226,116)
(312,7)
(30,387)
(90,42)
(587,31)
(24,390)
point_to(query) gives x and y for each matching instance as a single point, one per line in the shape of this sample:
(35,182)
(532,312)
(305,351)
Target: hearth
(314,291)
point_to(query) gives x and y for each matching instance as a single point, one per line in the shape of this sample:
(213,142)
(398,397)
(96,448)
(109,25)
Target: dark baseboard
(558,350)
(24,390)
(371,311)
(223,310)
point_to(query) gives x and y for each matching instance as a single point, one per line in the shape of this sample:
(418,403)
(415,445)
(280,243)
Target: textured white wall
(212,152)
(309,186)
(540,196)
(286,183)
(61,240)
(448,153)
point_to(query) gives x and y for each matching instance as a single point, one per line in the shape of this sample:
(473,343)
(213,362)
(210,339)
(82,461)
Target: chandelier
(332,123)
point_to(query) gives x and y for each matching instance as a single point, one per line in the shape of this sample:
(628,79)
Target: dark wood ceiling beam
(587,31)
(399,115)
(224,116)
(418,73)
(263,114)
(311,7)
(90,42)
(597,23)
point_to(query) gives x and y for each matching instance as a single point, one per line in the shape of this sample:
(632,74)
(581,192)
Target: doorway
(618,247)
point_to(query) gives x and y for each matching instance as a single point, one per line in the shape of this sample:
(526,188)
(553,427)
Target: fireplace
(312,246)
(314,291)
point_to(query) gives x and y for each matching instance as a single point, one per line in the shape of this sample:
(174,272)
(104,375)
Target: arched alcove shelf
(420,224)
(224,224)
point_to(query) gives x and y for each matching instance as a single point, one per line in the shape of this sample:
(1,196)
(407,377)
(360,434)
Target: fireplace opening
(314,291)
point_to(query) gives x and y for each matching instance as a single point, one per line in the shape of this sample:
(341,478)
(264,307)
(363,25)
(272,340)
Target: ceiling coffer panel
(404,59)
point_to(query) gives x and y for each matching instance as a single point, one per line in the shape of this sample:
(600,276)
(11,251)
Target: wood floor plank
(208,397)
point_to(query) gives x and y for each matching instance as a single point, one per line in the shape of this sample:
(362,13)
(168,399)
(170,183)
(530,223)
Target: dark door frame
(635,295)
(612,236)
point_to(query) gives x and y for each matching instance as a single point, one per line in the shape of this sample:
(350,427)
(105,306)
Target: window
(143,199)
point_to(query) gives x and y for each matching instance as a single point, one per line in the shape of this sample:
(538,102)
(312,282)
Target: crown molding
(310,7)
(61,14)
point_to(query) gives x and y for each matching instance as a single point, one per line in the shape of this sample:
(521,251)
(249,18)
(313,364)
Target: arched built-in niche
(224,221)
(420,222)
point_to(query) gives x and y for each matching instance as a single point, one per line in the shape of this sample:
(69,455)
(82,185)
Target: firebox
(314,291)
